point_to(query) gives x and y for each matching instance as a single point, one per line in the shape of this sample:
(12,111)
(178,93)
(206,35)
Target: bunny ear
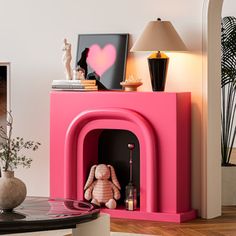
(113,177)
(91,177)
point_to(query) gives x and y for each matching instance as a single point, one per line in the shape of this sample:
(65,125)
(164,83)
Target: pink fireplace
(161,124)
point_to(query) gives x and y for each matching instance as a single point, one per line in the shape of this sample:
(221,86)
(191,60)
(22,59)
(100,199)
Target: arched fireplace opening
(81,151)
(113,150)
(110,146)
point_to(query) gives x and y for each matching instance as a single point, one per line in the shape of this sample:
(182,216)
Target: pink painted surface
(153,216)
(161,122)
(110,118)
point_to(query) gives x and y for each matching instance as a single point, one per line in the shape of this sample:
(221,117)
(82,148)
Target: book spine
(74,86)
(62,82)
(90,89)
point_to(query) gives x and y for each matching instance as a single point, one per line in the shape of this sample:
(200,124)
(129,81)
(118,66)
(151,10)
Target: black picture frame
(112,48)
(3,95)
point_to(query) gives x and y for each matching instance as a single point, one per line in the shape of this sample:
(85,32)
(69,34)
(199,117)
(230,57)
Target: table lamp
(159,36)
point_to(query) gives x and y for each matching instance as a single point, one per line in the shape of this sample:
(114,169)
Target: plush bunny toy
(102,190)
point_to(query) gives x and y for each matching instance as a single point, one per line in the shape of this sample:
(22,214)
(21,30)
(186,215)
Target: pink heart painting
(101,59)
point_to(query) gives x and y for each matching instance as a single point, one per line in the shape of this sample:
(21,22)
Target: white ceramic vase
(12,191)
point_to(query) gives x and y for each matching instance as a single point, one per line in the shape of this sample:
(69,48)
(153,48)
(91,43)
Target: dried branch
(10,151)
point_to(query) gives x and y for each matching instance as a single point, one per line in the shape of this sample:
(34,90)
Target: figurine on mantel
(66,59)
(102,190)
(79,73)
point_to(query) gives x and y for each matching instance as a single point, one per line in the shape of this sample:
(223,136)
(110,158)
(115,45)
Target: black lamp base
(158,66)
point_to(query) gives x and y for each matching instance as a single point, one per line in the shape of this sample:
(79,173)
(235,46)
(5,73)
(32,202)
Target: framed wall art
(3,95)
(103,57)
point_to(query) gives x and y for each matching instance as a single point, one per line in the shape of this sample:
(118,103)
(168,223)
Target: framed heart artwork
(103,56)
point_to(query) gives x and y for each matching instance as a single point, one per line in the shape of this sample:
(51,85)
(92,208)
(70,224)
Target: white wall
(229,9)
(31,35)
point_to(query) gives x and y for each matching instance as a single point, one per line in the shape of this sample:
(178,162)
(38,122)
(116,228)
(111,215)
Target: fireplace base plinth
(152,216)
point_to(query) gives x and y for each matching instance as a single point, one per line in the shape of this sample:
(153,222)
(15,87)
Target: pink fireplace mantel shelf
(162,124)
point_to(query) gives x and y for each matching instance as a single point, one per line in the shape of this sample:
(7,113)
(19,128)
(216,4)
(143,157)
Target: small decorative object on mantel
(12,190)
(131,84)
(79,73)
(66,59)
(130,189)
(102,190)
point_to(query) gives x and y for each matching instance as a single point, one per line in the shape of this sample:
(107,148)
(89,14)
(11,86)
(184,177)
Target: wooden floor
(224,225)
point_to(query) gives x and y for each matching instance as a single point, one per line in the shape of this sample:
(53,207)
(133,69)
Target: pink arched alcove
(78,157)
(161,123)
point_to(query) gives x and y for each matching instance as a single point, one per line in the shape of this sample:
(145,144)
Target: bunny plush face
(102,172)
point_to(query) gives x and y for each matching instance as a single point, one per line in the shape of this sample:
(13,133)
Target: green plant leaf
(228,87)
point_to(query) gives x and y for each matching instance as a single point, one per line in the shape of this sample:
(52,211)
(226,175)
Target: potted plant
(228,108)
(12,155)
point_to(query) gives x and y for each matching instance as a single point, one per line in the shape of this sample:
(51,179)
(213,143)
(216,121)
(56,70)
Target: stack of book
(75,85)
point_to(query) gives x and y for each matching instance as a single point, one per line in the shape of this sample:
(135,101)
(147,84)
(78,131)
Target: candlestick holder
(130,189)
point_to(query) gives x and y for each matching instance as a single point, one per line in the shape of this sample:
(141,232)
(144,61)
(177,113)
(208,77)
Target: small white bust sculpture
(66,59)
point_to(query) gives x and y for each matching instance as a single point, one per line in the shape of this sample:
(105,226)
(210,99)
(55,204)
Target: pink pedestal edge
(152,216)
